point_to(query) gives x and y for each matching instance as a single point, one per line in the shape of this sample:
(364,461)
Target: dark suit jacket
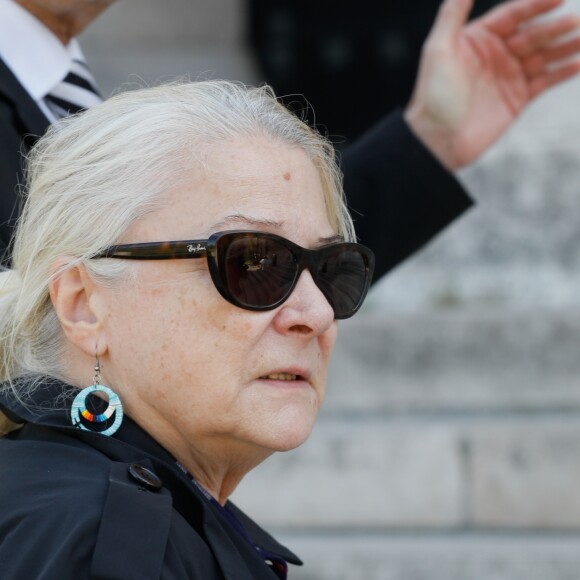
(399,194)
(21,122)
(72,509)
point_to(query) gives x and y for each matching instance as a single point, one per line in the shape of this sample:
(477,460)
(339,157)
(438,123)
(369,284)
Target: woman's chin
(286,436)
(280,423)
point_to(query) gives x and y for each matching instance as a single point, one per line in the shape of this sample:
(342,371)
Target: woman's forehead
(252,160)
(261,182)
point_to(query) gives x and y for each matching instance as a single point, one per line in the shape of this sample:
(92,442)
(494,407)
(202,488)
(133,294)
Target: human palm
(475,79)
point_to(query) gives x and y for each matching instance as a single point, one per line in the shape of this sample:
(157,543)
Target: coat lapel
(28,117)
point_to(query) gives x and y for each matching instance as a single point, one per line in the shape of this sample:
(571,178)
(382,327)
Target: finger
(538,36)
(449,23)
(539,84)
(507,18)
(537,63)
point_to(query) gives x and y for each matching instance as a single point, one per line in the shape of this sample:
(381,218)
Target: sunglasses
(259,271)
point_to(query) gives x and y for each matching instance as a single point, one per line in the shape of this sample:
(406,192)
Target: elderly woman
(181,262)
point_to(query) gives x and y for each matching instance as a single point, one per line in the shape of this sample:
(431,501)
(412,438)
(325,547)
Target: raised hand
(475,79)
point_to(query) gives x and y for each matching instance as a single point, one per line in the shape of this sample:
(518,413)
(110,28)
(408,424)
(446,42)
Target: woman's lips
(281,377)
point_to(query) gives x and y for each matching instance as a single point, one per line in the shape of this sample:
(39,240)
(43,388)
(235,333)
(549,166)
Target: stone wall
(449,446)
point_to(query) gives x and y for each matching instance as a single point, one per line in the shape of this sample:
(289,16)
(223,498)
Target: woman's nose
(306,311)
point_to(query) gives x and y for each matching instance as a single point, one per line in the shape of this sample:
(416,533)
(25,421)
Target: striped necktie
(75,93)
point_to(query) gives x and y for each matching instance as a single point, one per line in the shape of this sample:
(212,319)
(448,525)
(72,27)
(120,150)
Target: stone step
(455,557)
(526,213)
(513,473)
(456,360)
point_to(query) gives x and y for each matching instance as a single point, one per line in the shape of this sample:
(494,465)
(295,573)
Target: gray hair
(94,175)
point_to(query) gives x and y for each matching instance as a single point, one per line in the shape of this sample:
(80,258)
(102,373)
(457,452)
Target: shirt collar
(32,52)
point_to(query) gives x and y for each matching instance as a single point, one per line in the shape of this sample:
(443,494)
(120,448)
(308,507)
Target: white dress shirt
(33,53)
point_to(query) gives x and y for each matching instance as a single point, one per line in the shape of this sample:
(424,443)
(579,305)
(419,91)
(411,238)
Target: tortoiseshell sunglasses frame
(210,249)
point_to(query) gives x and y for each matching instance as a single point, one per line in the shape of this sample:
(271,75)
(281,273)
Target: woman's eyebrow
(247,220)
(267,223)
(335,239)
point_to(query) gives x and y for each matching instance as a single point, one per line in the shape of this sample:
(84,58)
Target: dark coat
(71,510)
(399,194)
(21,123)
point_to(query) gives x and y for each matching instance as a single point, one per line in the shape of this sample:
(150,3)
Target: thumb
(450,20)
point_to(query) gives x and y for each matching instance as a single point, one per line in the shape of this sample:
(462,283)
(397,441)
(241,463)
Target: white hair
(95,174)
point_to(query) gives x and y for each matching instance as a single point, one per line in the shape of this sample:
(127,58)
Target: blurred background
(449,446)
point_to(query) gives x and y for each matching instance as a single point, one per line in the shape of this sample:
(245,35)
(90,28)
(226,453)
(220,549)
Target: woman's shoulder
(47,467)
(81,514)
(52,497)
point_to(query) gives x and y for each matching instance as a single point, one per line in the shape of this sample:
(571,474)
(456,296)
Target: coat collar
(48,406)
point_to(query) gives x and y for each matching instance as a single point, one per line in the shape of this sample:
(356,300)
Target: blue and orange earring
(111,418)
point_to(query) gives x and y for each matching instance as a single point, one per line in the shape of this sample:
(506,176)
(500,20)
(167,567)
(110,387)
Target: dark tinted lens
(258,271)
(342,276)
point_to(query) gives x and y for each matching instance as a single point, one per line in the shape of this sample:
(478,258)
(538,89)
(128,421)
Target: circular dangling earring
(79,408)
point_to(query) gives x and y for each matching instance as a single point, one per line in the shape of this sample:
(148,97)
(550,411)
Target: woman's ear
(76,301)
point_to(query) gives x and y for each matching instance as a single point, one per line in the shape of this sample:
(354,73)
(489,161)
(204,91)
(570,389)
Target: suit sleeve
(399,195)
(11,163)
